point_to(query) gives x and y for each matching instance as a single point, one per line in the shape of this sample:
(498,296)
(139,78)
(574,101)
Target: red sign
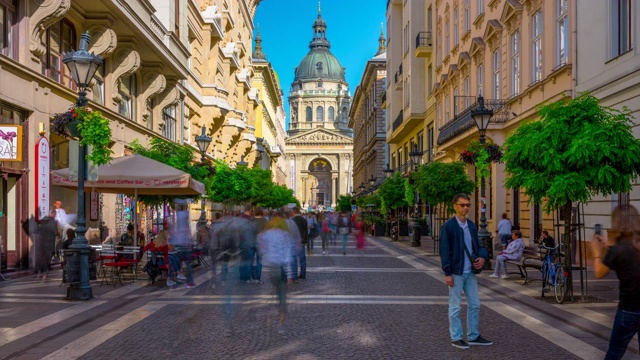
(43,161)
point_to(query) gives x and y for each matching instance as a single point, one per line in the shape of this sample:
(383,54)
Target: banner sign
(10,143)
(43,162)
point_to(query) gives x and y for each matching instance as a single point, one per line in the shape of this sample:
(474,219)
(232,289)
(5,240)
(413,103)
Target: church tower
(320,143)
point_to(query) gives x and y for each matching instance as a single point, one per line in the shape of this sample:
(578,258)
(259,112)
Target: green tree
(344,203)
(437,182)
(262,186)
(392,193)
(281,196)
(578,149)
(232,186)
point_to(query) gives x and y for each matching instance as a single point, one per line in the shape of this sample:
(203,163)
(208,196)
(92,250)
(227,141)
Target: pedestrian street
(386,302)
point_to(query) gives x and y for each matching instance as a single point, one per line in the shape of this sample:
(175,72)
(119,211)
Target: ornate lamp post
(482,116)
(388,172)
(242,162)
(82,65)
(203,141)
(361,188)
(372,181)
(416,158)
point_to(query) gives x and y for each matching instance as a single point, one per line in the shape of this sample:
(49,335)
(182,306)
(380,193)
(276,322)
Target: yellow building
(269,115)
(517,55)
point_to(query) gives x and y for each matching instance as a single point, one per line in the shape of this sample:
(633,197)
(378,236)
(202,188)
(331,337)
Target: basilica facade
(319,146)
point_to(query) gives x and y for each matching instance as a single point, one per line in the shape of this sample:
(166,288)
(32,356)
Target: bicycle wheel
(560,288)
(545,277)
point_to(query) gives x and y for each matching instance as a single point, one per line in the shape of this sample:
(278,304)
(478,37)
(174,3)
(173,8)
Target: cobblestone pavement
(388,302)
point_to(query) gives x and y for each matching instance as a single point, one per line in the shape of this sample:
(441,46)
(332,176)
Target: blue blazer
(452,253)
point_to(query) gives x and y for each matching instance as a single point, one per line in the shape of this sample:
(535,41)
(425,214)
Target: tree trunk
(566,213)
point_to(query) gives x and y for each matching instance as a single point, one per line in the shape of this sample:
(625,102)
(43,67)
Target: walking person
(312,230)
(513,252)
(332,218)
(344,229)
(360,239)
(621,253)
(504,230)
(45,246)
(275,248)
(255,259)
(462,255)
(324,232)
(182,241)
(300,255)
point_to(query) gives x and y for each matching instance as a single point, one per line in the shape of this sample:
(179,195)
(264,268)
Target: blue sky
(353,28)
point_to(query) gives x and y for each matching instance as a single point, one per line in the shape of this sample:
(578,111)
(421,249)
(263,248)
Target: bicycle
(554,273)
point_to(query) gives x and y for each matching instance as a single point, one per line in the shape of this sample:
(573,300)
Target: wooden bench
(531,258)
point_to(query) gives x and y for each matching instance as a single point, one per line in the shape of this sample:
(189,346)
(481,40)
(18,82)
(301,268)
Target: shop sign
(10,143)
(43,161)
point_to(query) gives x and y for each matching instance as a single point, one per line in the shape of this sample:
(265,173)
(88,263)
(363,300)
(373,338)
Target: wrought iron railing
(423,39)
(398,121)
(462,121)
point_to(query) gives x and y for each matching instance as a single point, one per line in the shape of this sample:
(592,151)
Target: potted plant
(378,226)
(90,127)
(403,226)
(480,156)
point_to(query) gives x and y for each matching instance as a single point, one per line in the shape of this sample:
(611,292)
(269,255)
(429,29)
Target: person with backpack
(344,229)
(275,246)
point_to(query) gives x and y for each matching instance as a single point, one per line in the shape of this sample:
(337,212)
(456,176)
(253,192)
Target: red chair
(116,268)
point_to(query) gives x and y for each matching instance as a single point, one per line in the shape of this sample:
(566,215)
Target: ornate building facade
(367,119)
(320,144)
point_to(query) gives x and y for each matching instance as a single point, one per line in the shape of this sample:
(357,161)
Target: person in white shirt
(63,221)
(504,230)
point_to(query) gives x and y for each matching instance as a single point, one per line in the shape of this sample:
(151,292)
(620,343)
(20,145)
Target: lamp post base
(416,235)
(75,292)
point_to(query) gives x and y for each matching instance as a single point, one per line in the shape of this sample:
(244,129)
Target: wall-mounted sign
(43,161)
(10,143)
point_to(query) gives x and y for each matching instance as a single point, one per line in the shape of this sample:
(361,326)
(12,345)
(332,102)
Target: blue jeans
(302,257)
(186,255)
(625,325)
(466,282)
(333,234)
(501,264)
(505,239)
(254,269)
(343,237)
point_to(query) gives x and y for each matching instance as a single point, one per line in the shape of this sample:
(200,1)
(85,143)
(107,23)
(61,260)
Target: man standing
(460,254)
(301,223)
(504,230)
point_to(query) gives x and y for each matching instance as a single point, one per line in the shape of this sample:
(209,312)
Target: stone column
(334,189)
(304,191)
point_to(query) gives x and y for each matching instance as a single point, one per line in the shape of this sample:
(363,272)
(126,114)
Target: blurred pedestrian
(359,226)
(275,246)
(621,253)
(182,242)
(260,224)
(324,232)
(332,221)
(344,229)
(300,256)
(247,245)
(312,230)
(462,256)
(71,234)
(45,246)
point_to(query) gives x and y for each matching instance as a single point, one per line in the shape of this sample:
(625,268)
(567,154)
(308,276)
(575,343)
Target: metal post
(203,216)
(416,226)
(81,290)
(483,234)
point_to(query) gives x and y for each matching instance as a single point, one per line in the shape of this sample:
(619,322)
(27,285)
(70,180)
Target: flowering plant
(481,155)
(93,130)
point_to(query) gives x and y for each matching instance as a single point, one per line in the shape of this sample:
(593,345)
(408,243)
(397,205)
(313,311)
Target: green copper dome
(319,62)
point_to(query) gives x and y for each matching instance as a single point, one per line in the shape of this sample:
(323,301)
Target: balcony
(213,17)
(383,98)
(254,95)
(398,78)
(463,121)
(244,77)
(275,151)
(231,52)
(308,125)
(397,122)
(424,44)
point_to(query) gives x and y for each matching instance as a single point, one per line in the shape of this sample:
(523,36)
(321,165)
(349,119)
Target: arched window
(309,115)
(58,39)
(127,90)
(331,114)
(319,113)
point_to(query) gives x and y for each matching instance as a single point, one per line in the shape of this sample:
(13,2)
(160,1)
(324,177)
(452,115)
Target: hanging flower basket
(90,127)
(472,152)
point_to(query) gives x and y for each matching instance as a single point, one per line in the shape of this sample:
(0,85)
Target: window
(127,92)
(480,7)
(439,45)
(446,38)
(447,106)
(177,18)
(480,79)
(58,39)
(515,63)
(496,74)
(406,154)
(563,33)
(429,80)
(466,88)
(98,85)
(421,141)
(150,105)
(319,114)
(620,27)
(169,117)
(393,161)
(309,114)
(439,113)
(456,100)
(467,16)
(7,22)
(455,26)
(407,93)
(331,114)
(400,157)
(536,46)
(430,142)
(320,83)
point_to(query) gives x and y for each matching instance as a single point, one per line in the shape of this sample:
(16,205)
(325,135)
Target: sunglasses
(465,205)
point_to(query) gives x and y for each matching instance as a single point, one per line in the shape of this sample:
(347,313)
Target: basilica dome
(319,64)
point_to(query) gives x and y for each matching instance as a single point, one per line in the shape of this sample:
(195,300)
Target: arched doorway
(321,184)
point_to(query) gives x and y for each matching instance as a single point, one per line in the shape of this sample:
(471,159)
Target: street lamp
(372,181)
(388,172)
(482,116)
(416,159)
(353,193)
(203,141)
(361,187)
(242,162)
(82,66)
